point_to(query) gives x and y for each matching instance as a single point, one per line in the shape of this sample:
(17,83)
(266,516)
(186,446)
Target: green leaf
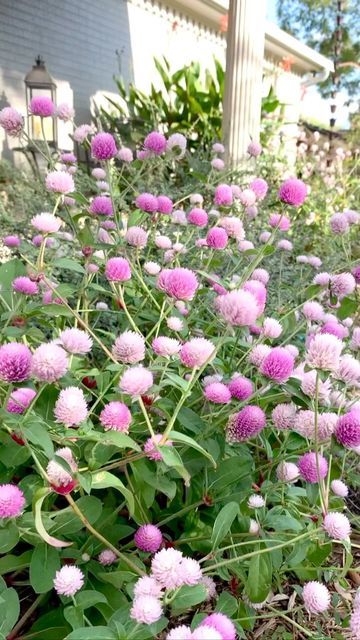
(45,562)
(39,498)
(190,420)
(15,563)
(223,522)
(8,272)
(67,522)
(181,437)
(230,471)
(104,479)
(188,597)
(318,553)
(36,433)
(119,440)
(227,604)
(71,265)
(92,633)
(172,459)
(9,536)
(86,599)
(9,610)
(258,582)
(347,307)
(74,616)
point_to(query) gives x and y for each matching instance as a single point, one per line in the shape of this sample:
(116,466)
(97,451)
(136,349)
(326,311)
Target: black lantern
(38,82)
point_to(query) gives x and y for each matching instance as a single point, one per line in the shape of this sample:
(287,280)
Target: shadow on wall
(83,44)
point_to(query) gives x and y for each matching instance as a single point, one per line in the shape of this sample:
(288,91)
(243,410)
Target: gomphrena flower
(287,472)
(180,633)
(240,387)
(293,192)
(129,347)
(221,623)
(163,242)
(147,586)
(166,347)
(279,221)
(258,290)
(223,195)
(258,354)
(339,224)
(11,241)
(98,173)
(49,362)
(136,381)
(278,365)
(342,284)
(11,121)
(196,352)
(76,341)
(174,323)
(117,270)
(335,329)
(218,393)
(46,222)
(349,370)
(347,430)
(313,311)
(176,144)
(107,557)
(25,285)
(164,205)
(254,149)
(260,187)
(245,424)
(178,283)
(71,407)
(148,538)
(155,142)
(247,197)
(150,447)
(314,262)
(42,106)
(20,399)
(68,580)
(324,352)
(146,610)
(81,132)
(146,202)
(354,623)
(165,568)
(218,164)
(198,217)
(285,245)
(339,488)
(308,386)
(152,268)
(60,479)
(101,206)
(233,227)
(217,238)
(103,146)
(12,501)
(210,586)
(59,182)
(190,571)
(238,308)
(308,466)
(65,112)
(337,525)
(271,328)
(204,633)
(15,362)
(316,597)
(355,339)
(115,416)
(125,154)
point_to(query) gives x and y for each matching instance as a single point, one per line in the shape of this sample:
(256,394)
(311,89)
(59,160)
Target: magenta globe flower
(103,146)
(116,417)
(12,241)
(178,283)
(221,623)
(11,121)
(223,195)
(217,238)
(49,362)
(42,106)
(15,362)
(148,538)
(68,580)
(240,387)
(293,192)
(246,424)
(254,149)
(117,270)
(147,202)
(258,290)
(316,597)
(164,205)
(218,393)
(308,467)
(347,430)
(196,352)
(155,142)
(259,187)
(198,217)
(25,285)
(12,501)
(151,449)
(102,206)
(20,400)
(278,365)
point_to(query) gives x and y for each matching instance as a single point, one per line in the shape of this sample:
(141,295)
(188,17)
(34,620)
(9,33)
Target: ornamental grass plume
(316,597)
(49,362)
(15,362)
(245,424)
(148,538)
(103,146)
(238,308)
(129,348)
(278,365)
(12,501)
(71,407)
(337,525)
(117,270)
(136,381)
(146,610)
(115,416)
(308,466)
(218,393)
(196,352)
(68,580)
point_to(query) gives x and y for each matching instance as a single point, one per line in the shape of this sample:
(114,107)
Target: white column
(243,79)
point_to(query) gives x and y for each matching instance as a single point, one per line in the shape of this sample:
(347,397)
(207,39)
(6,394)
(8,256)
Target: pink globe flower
(258,290)
(190,571)
(261,275)
(101,206)
(259,187)
(165,568)
(218,164)
(146,202)
(49,362)
(223,195)
(150,447)
(251,212)
(246,424)
(147,586)
(247,197)
(117,270)
(335,329)
(308,386)
(349,370)
(103,146)
(116,417)
(283,416)
(11,241)
(278,365)
(155,142)
(15,362)
(61,480)
(313,311)
(308,467)
(271,328)
(76,341)
(99,173)
(314,262)
(176,144)
(221,623)
(324,352)
(347,430)
(12,501)
(217,238)
(146,610)
(264,236)
(24,285)
(107,557)
(166,347)
(322,279)
(129,347)
(198,217)
(136,381)
(258,354)
(233,227)
(164,205)
(342,285)
(218,393)
(339,488)
(254,149)
(337,525)
(353,217)
(59,182)
(46,223)
(218,147)
(238,308)
(148,538)
(42,106)
(174,323)
(287,472)
(339,224)
(71,408)
(354,623)
(279,221)
(293,192)
(180,633)
(178,283)
(68,580)
(240,388)
(285,245)
(206,633)
(11,121)
(65,112)
(196,352)
(20,400)
(316,597)
(125,154)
